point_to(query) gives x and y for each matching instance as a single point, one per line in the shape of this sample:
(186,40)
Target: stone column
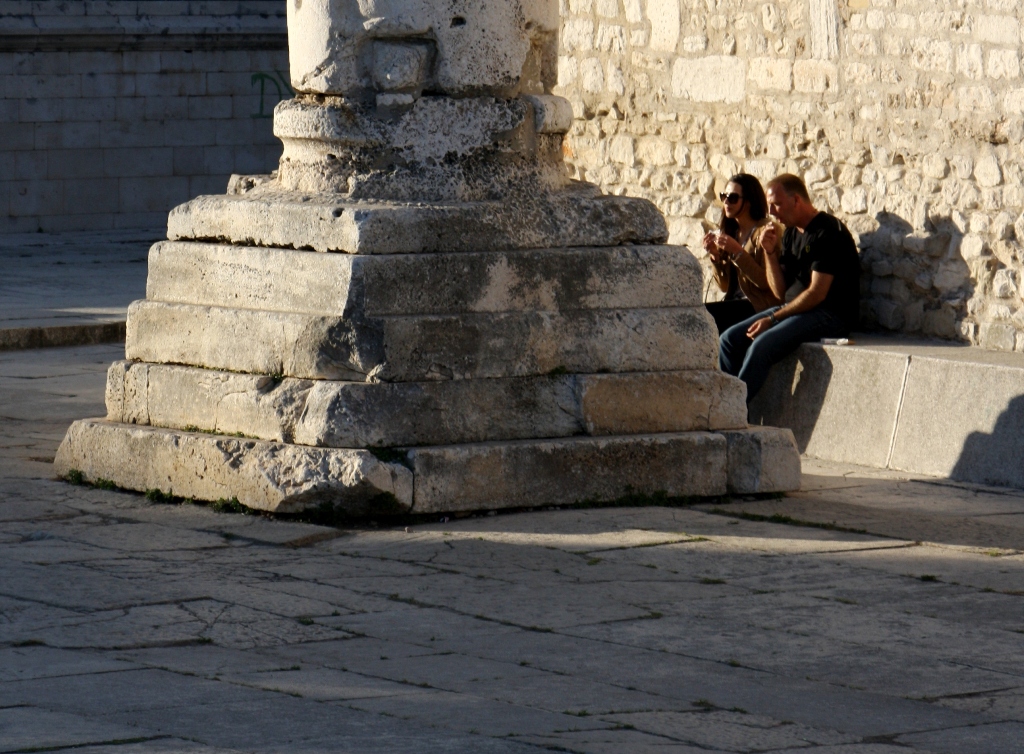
(420,310)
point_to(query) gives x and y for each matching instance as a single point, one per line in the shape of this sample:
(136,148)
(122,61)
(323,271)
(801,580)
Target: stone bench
(937,409)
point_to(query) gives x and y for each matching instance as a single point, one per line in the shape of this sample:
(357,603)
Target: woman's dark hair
(753,195)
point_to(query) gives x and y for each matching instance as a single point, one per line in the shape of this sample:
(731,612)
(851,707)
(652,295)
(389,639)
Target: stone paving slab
(70,288)
(870,613)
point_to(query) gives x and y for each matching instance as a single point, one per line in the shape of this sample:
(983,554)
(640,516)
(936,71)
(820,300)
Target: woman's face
(733,209)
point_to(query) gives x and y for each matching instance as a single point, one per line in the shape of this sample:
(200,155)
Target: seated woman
(736,253)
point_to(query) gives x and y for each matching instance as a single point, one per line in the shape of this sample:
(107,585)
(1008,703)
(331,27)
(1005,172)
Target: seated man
(817,251)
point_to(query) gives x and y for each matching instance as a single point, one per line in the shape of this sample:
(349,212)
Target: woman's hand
(712,248)
(728,245)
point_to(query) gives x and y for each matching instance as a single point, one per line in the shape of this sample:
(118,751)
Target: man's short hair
(792,185)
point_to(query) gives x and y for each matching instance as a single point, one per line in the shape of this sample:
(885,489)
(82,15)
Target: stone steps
(359,414)
(248,277)
(283,478)
(424,347)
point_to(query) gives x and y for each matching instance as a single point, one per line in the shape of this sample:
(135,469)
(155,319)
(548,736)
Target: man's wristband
(773,318)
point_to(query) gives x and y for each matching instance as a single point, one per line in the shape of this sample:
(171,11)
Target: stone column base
(283,477)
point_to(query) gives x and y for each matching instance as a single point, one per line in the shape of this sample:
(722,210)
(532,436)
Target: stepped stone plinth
(420,311)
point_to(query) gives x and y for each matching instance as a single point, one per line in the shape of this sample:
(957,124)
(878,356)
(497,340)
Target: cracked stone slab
(319,222)
(262,475)
(248,277)
(413,348)
(359,414)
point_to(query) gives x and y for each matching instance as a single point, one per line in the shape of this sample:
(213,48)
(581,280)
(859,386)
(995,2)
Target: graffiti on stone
(281,88)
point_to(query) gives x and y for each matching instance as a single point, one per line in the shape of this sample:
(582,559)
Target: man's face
(781,205)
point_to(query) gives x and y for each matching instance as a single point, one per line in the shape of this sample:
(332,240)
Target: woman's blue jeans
(750,360)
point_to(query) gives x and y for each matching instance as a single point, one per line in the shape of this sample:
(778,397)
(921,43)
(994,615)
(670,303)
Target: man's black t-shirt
(825,246)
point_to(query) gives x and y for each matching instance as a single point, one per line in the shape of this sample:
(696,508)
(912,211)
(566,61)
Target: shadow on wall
(996,458)
(916,283)
(794,394)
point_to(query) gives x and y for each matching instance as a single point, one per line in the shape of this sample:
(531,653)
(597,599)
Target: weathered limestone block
(244,340)
(761,460)
(351,48)
(437,148)
(262,475)
(423,347)
(662,402)
(357,414)
(715,78)
(326,223)
(538,472)
(528,280)
(210,401)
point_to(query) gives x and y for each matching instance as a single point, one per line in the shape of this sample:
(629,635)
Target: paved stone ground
(129,627)
(63,279)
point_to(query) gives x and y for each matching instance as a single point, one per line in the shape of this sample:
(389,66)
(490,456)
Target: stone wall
(903,116)
(113,112)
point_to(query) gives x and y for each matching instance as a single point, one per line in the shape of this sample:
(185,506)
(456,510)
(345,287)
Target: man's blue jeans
(750,360)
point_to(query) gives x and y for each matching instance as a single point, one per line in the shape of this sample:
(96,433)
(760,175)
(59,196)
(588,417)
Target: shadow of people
(996,458)
(794,393)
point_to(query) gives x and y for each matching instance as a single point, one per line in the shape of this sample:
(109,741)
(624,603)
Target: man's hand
(769,240)
(762,325)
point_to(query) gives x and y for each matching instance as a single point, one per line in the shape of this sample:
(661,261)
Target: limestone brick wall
(113,112)
(903,116)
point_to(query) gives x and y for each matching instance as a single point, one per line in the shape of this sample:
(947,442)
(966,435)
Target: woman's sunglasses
(730,198)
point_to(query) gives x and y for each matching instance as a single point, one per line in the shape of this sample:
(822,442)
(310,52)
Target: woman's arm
(719,264)
(750,266)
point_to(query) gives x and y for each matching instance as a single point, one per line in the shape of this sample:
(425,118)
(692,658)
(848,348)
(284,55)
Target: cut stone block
(762,460)
(648,402)
(208,401)
(262,475)
(818,390)
(950,427)
(407,349)
(542,472)
(359,414)
(619,277)
(302,221)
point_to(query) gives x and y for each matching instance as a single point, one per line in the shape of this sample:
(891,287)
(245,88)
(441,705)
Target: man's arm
(770,245)
(811,297)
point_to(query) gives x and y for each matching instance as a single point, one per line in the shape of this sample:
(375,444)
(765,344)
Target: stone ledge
(263,475)
(426,347)
(286,478)
(19,338)
(359,414)
(941,410)
(252,277)
(300,221)
(116,26)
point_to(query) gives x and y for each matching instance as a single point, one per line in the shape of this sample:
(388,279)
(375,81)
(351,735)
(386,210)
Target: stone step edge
(53,336)
(283,478)
(414,348)
(323,413)
(286,219)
